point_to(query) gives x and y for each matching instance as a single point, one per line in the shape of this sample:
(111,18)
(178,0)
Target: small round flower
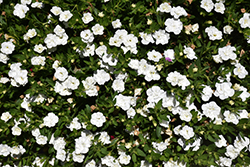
(97,119)
(41,140)
(50,120)
(61,73)
(97,29)
(65,16)
(117,23)
(7,47)
(87,17)
(56,10)
(6,116)
(16,131)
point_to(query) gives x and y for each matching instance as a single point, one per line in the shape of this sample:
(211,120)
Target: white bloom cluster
(155,94)
(144,68)
(38,60)
(38,5)
(30,34)
(124,159)
(224,90)
(122,37)
(245,94)
(6,116)
(67,82)
(87,36)
(213,33)
(169,53)
(186,132)
(227,29)
(154,55)
(59,38)
(240,71)
(39,48)
(104,137)
(189,52)
(20,10)
(225,53)
(173,25)
(208,5)
(110,161)
(65,16)
(125,102)
(160,147)
(98,29)
(245,21)
(83,143)
(75,124)
(97,119)
(118,84)
(176,12)
(164,7)
(50,120)
(7,48)
(231,117)
(146,38)
(89,85)
(207,93)
(175,78)
(172,163)
(87,17)
(116,24)
(18,76)
(211,110)
(195,145)
(161,37)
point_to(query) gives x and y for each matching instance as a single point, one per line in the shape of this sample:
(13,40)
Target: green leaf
(178,148)
(140,152)
(211,138)
(134,158)
(158,131)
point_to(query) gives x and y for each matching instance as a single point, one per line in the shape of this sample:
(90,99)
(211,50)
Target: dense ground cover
(124,83)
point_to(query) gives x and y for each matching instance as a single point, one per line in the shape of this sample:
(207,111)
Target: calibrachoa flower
(50,120)
(97,119)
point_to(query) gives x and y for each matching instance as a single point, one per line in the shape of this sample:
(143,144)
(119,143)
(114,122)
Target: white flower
(39,48)
(169,53)
(224,90)
(178,11)
(123,101)
(50,120)
(231,117)
(3,58)
(155,94)
(101,77)
(6,116)
(61,73)
(185,115)
(78,157)
(41,140)
(161,37)
(219,7)
(227,29)
(245,20)
(227,52)
(7,47)
(58,30)
(145,163)
(20,10)
(87,36)
(207,93)
(187,132)
(97,29)
(58,143)
(146,38)
(38,60)
(72,83)
(97,119)
(26,2)
(164,7)
(195,27)
(74,124)
(213,33)
(4,150)
(4,80)
(65,16)
(189,53)
(117,23)
(211,110)
(173,25)
(240,71)
(61,155)
(131,112)
(232,151)
(37,5)
(35,132)
(154,55)
(56,10)
(104,138)
(16,131)
(118,85)
(31,33)
(87,17)
(91,164)
(208,5)
(124,159)
(221,142)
